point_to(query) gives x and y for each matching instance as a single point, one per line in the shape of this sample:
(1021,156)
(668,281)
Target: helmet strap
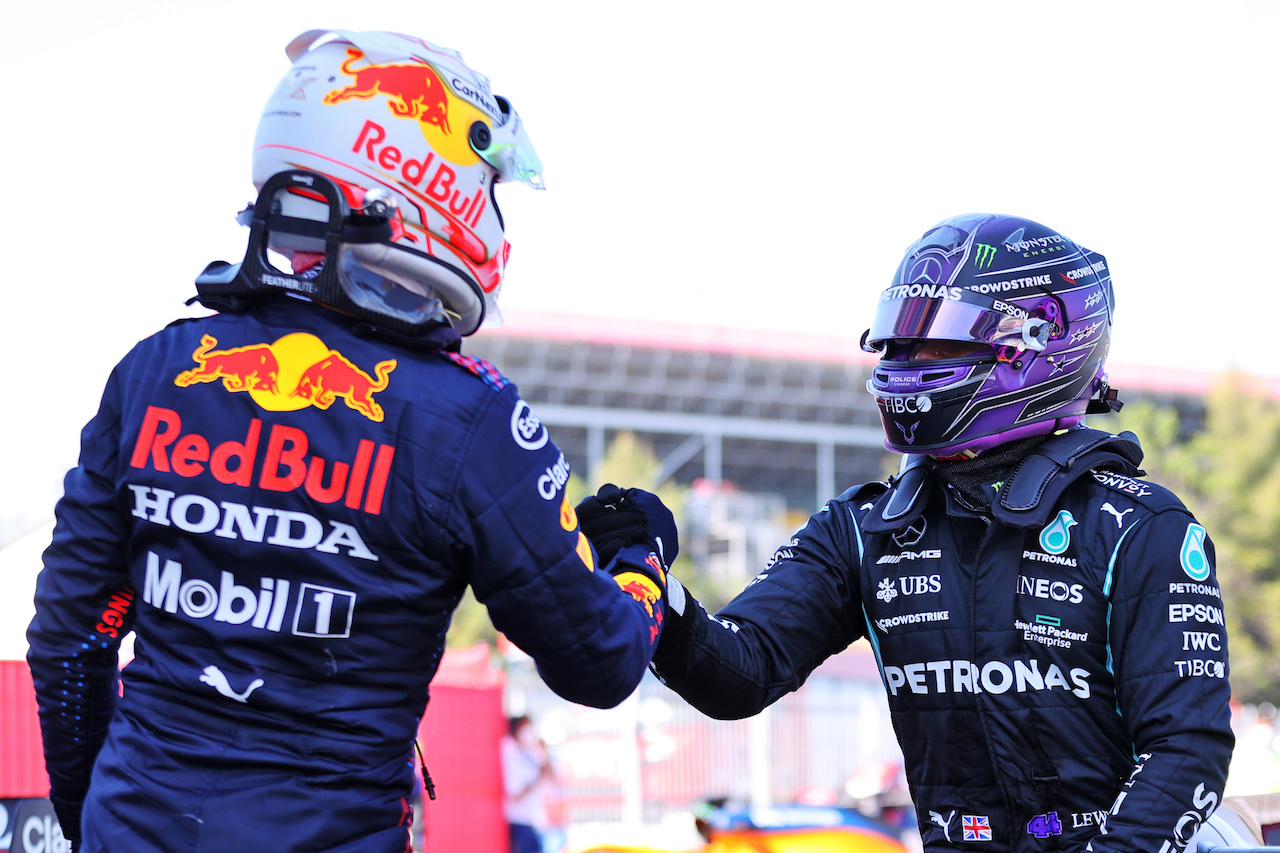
(1107,401)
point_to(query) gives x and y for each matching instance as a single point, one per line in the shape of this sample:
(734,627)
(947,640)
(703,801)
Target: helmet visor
(511,152)
(955,315)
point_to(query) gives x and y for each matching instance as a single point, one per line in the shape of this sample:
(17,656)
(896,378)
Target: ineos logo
(526,429)
(1204,802)
(1050,589)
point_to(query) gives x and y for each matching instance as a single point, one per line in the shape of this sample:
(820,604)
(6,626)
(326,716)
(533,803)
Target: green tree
(1228,474)
(470,624)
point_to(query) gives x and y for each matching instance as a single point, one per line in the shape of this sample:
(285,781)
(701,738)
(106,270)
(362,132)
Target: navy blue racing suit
(287,514)
(1056,679)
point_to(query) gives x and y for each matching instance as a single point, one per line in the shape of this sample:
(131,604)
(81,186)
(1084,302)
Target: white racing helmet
(404,126)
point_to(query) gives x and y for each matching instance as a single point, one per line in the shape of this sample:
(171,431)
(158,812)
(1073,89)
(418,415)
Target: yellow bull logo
(294,372)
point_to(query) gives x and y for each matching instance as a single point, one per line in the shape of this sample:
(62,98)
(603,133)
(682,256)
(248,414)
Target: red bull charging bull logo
(584,552)
(645,591)
(295,372)
(413,90)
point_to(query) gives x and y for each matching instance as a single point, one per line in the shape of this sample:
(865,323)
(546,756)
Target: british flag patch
(976,827)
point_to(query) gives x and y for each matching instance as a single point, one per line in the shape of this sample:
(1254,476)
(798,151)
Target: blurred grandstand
(769,426)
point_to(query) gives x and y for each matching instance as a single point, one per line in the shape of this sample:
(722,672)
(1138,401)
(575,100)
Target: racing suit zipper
(1009,798)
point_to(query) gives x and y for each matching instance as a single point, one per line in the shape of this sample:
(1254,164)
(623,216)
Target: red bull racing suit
(1056,674)
(287,514)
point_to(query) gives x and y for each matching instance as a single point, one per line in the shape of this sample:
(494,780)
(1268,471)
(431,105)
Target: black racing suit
(287,514)
(1056,678)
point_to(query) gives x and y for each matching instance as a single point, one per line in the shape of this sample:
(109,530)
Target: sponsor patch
(963,676)
(568,515)
(645,591)
(1195,562)
(913,619)
(527,429)
(1048,588)
(1121,483)
(318,611)
(977,827)
(553,478)
(887,591)
(1118,514)
(584,552)
(1044,825)
(291,373)
(1056,537)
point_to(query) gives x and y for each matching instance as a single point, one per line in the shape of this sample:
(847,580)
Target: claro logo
(961,676)
(553,479)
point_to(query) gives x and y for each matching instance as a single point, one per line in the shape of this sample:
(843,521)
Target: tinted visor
(955,315)
(510,150)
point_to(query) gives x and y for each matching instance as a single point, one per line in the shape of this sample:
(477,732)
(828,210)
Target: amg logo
(932,554)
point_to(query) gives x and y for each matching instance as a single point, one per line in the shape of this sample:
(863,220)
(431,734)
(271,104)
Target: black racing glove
(615,519)
(612,522)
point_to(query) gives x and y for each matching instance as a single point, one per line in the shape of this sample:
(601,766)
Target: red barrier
(22,768)
(460,734)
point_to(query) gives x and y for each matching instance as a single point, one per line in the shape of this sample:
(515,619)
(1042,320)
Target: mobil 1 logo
(323,611)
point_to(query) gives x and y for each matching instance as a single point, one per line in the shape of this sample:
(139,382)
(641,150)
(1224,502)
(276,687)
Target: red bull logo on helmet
(294,372)
(413,90)
(416,91)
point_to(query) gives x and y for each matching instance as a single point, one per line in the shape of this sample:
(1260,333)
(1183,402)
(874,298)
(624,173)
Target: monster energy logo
(985,257)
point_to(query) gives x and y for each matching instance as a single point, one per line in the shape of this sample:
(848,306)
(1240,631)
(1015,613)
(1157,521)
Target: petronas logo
(985,257)
(1195,562)
(1055,538)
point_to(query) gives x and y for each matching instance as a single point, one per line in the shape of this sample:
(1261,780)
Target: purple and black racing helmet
(1033,312)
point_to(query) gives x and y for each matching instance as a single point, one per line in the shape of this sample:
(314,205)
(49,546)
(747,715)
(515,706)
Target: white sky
(737,164)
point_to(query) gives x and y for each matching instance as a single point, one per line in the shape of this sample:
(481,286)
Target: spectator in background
(526,771)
